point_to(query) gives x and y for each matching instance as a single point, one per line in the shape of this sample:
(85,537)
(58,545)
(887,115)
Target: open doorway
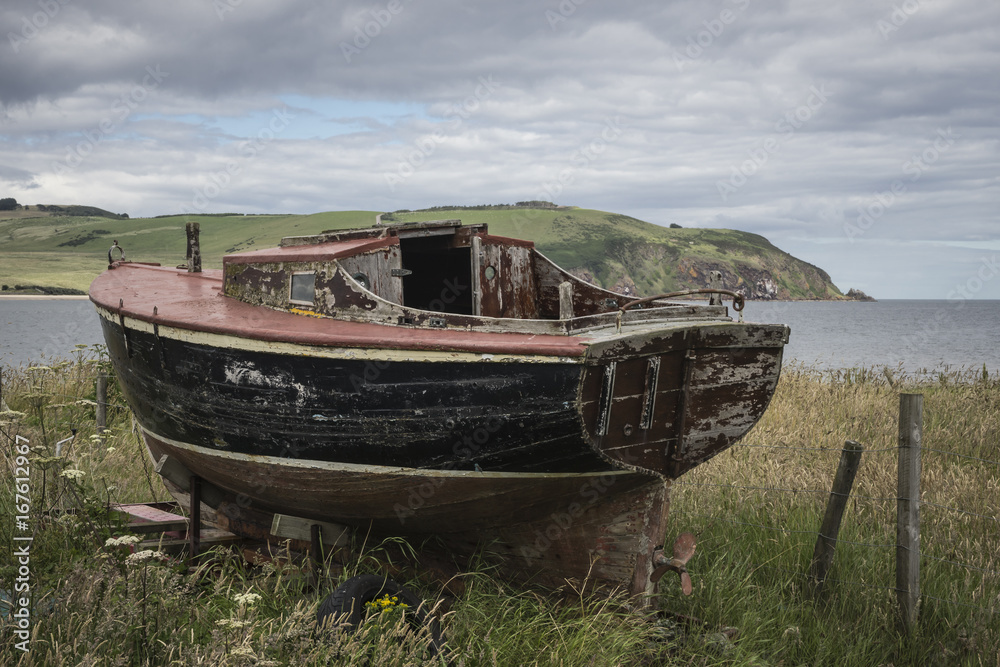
(441,278)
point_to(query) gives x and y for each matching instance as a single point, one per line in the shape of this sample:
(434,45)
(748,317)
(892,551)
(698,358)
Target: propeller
(684,547)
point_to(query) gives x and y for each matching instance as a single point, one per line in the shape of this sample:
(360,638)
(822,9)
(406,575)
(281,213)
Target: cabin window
(303,289)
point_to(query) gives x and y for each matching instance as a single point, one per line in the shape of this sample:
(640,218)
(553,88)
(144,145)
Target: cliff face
(634,257)
(668,260)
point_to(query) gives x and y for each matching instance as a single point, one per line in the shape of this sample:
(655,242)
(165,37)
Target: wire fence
(781,514)
(788,514)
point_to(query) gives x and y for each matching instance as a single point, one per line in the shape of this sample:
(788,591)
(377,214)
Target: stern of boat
(666,401)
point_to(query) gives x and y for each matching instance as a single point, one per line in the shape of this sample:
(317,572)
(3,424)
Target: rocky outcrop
(858,295)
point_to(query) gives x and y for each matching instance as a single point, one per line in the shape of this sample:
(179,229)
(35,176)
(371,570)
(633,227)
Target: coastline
(44,297)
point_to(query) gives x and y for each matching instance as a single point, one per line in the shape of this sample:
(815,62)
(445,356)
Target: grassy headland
(755,510)
(614,251)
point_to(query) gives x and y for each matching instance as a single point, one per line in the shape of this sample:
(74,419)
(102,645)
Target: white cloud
(700,90)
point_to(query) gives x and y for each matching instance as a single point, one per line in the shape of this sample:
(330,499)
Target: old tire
(348,601)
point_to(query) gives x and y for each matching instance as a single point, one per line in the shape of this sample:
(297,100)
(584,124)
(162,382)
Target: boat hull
(554,450)
(410,409)
(588,529)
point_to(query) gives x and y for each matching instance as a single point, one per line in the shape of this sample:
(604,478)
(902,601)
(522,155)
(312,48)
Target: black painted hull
(447,415)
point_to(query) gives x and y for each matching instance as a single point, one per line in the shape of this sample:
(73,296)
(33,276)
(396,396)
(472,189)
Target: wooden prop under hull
(592,529)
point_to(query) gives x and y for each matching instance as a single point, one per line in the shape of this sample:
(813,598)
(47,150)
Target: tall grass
(755,510)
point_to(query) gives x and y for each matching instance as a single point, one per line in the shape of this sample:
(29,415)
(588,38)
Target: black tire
(348,602)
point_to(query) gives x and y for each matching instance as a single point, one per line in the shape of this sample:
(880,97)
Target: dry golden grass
(755,509)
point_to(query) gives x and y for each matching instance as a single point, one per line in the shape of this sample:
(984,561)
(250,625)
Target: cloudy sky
(861,136)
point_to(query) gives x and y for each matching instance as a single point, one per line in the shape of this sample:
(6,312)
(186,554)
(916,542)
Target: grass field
(755,510)
(64,251)
(70,251)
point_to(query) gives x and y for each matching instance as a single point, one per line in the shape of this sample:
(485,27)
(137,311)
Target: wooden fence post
(911,424)
(826,543)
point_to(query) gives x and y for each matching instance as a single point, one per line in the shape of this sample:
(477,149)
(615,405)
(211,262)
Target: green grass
(69,251)
(754,547)
(63,251)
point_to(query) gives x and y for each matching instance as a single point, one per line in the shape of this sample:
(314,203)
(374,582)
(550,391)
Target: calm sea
(929,335)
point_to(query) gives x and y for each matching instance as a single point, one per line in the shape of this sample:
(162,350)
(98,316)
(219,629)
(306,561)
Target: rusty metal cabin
(437,274)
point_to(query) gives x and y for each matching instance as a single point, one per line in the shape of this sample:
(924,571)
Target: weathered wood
(194,532)
(400,500)
(826,543)
(566,300)
(715,282)
(170,468)
(416,415)
(148,518)
(102,405)
(908,508)
(316,552)
(209,537)
(333,535)
(193,248)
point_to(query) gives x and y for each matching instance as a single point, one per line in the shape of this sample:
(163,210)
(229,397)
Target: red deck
(194,301)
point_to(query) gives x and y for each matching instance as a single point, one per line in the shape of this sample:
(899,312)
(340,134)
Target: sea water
(932,335)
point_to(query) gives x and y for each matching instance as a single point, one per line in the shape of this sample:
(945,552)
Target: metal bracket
(683,550)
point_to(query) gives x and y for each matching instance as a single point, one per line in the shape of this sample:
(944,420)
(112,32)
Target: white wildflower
(122,541)
(143,556)
(248,599)
(72,473)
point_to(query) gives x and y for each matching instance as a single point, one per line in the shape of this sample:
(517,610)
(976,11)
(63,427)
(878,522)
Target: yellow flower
(385,603)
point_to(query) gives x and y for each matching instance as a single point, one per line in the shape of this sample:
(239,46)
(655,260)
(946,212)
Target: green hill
(614,251)
(632,256)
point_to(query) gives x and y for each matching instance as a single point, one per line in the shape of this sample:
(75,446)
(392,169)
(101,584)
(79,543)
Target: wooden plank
(296,528)
(180,524)
(210,537)
(826,543)
(147,518)
(908,508)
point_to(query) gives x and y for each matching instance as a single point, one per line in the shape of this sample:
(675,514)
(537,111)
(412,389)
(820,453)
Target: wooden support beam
(911,424)
(826,543)
(566,300)
(333,535)
(194,532)
(715,282)
(171,469)
(102,405)
(193,247)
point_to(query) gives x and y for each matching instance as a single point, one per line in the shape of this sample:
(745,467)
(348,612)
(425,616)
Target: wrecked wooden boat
(434,379)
